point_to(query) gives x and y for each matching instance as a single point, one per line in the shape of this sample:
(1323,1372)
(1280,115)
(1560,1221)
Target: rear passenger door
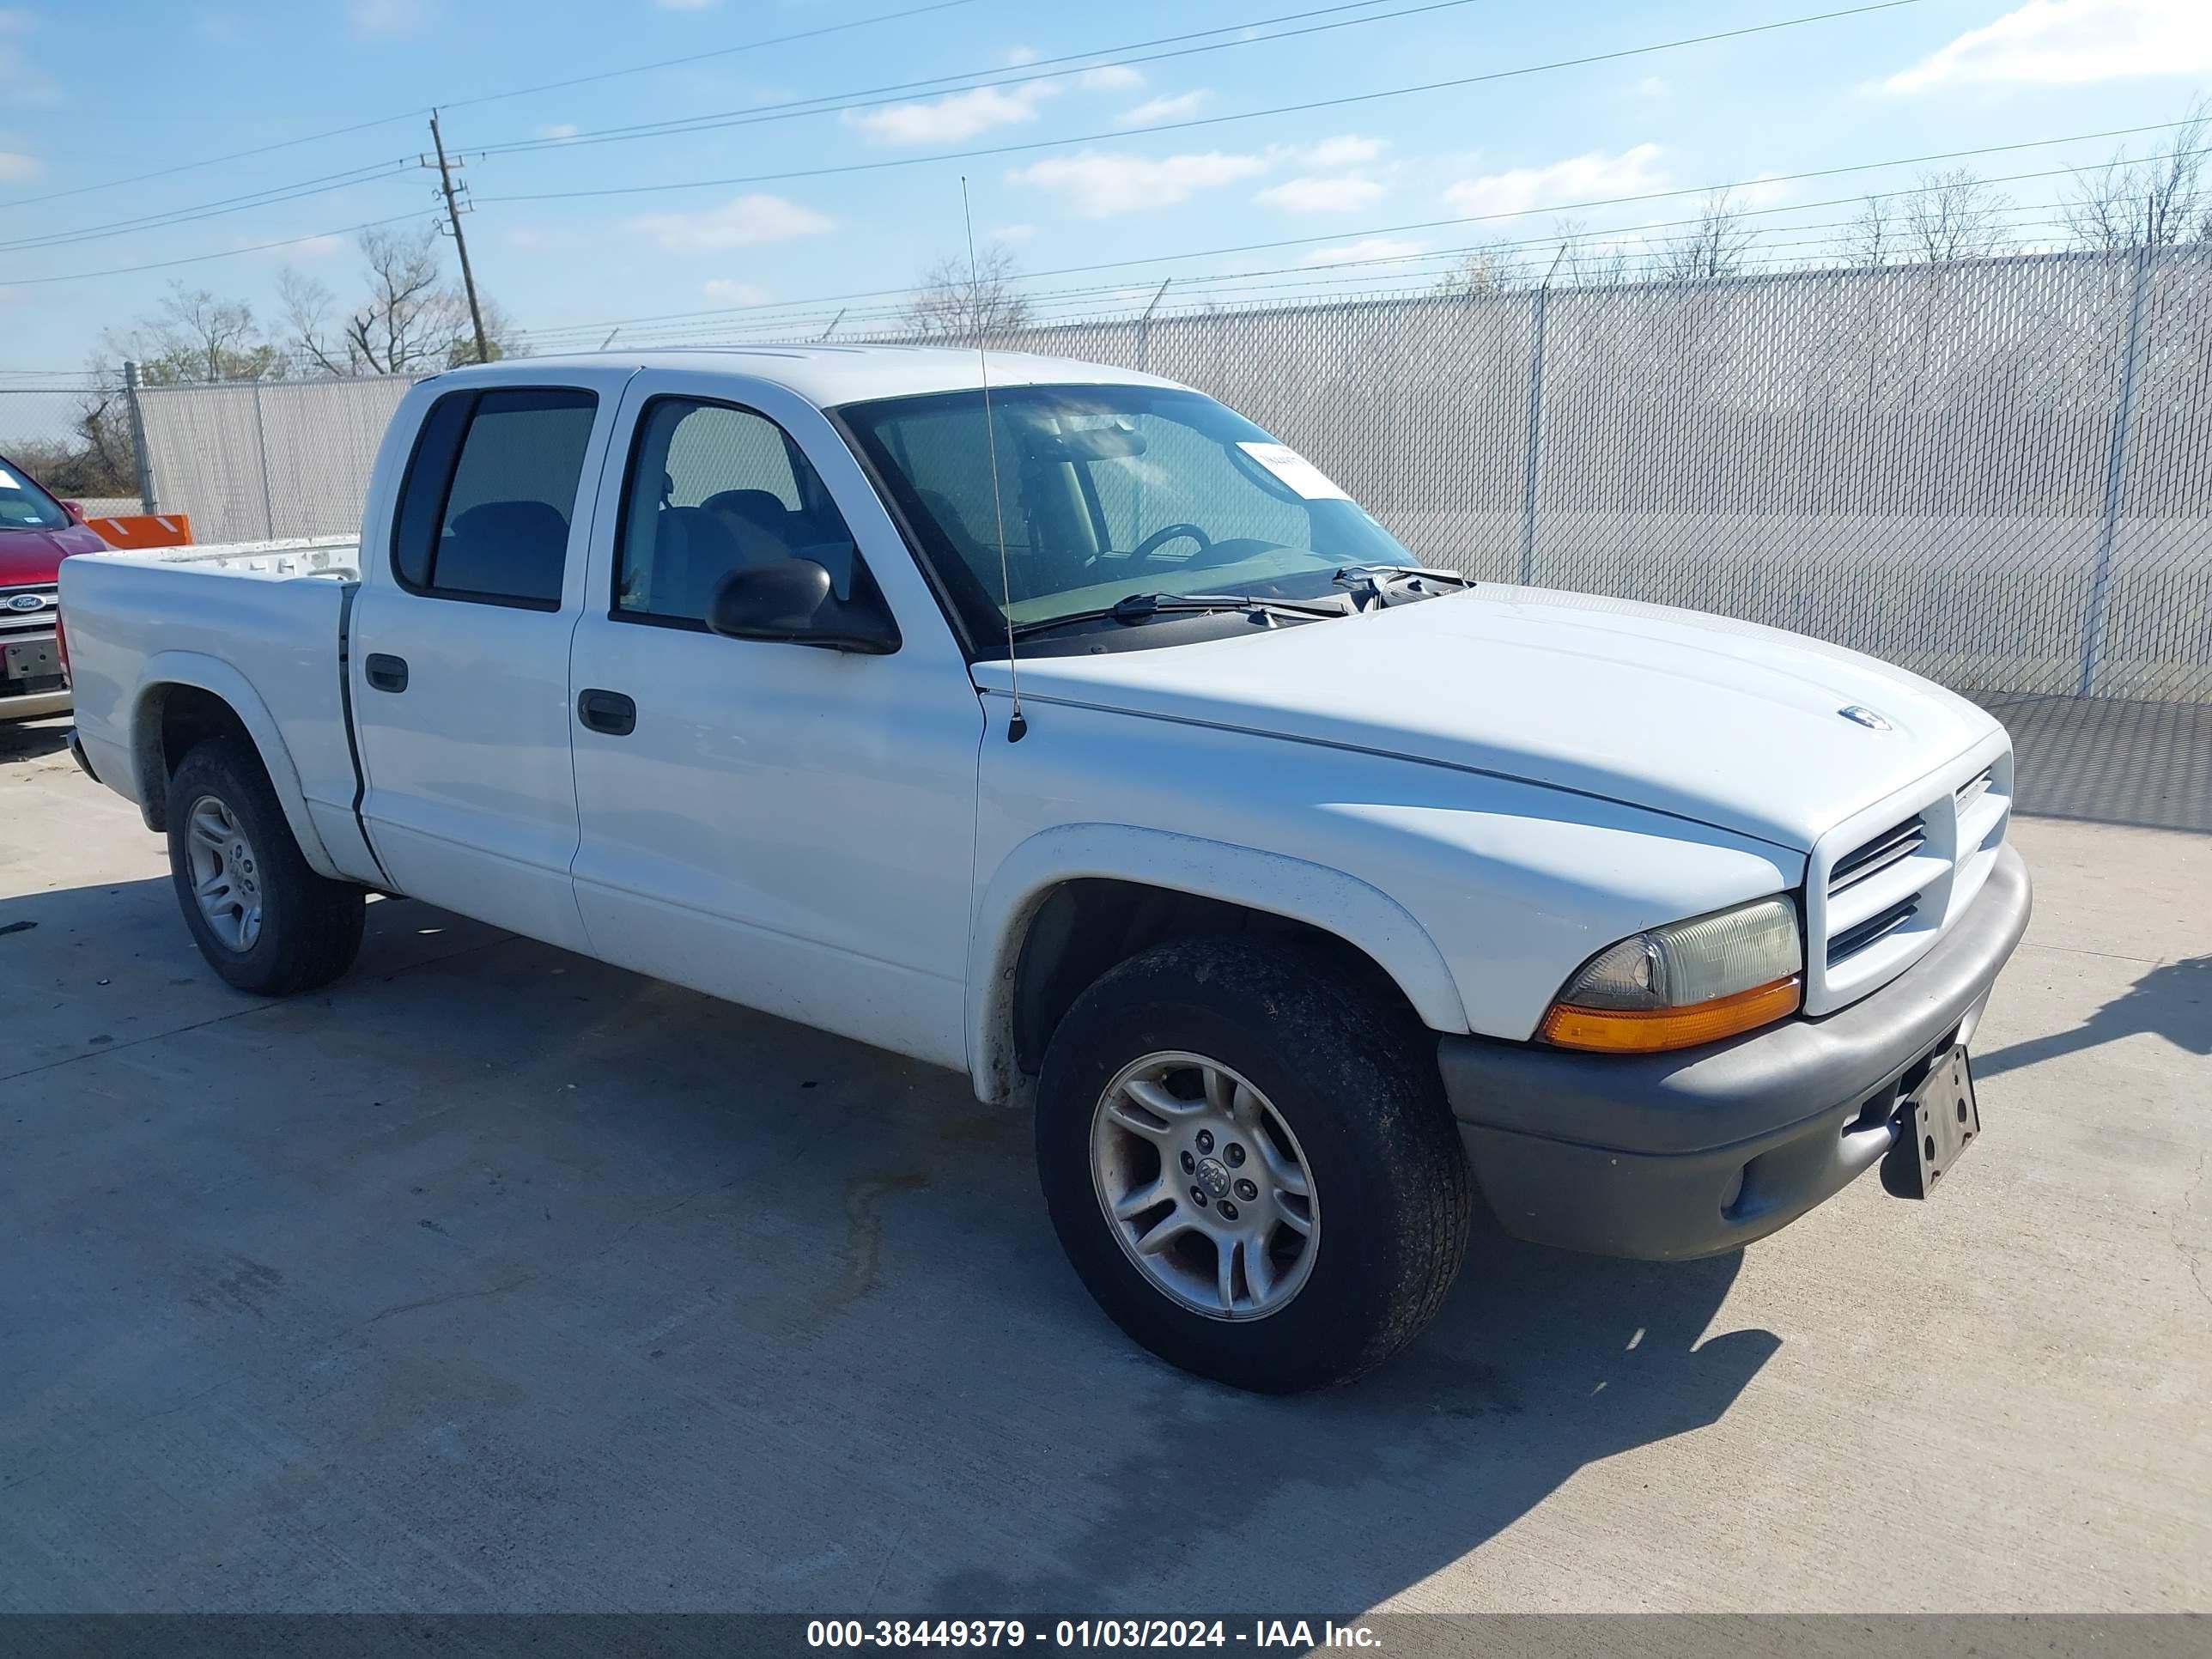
(459,660)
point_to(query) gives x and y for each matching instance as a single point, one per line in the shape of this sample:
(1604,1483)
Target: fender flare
(1362,915)
(166,669)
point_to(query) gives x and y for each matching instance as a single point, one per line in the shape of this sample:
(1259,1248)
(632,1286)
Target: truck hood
(31,558)
(1725,722)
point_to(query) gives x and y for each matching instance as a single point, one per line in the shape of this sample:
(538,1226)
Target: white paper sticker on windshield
(1295,470)
(8,480)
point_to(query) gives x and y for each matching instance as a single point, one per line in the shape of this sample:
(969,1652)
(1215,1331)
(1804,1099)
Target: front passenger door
(784,826)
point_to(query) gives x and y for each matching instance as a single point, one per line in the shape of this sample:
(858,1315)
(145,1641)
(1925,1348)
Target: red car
(37,533)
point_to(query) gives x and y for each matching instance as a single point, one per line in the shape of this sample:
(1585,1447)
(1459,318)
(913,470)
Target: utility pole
(460,241)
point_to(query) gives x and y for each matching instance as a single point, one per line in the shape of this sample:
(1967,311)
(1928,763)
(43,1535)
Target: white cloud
(560,130)
(1164,109)
(1340,195)
(387,17)
(2067,42)
(1652,86)
(1596,176)
(1348,151)
(1010,234)
(1017,56)
(1101,182)
(686,5)
(1110,77)
(723,292)
(1367,247)
(744,222)
(14,165)
(957,116)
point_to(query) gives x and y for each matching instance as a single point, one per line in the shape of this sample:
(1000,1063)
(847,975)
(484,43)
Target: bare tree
(1874,238)
(1954,216)
(2164,200)
(195,336)
(411,321)
(1493,267)
(958,303)
(1714,245)
(1581,262)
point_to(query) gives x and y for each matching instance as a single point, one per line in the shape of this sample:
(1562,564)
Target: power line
(418,112)
(271,196)
(1040,70)
(701,57)
(202,258)
(1214,120)
(1344,235)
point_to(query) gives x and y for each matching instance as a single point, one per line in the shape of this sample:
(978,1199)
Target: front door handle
(386,673)
(607,711)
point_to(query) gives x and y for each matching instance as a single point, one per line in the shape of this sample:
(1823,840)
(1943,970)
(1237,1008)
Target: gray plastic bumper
(1664,1157)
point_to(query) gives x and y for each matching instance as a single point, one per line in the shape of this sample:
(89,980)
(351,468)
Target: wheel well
(177,719)
(1085,928)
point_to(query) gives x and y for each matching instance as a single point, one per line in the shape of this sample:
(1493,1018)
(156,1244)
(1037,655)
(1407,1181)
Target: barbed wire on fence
(1994,472)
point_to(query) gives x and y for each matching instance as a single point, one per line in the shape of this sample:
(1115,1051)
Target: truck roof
(829,375)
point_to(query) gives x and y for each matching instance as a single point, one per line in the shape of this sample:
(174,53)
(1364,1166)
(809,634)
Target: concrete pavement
(494,1278)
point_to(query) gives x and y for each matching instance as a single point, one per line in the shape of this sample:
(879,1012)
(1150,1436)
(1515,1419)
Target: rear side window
(489,495)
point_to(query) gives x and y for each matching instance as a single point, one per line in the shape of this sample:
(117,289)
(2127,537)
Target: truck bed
(261,625)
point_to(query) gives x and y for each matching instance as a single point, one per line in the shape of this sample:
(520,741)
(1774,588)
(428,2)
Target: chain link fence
(1997,473)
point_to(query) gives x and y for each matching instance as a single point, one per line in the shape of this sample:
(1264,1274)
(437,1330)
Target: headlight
(1688,982)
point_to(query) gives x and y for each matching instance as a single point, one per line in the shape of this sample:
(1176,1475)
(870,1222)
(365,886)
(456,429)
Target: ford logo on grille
(27,602)
(1865,717)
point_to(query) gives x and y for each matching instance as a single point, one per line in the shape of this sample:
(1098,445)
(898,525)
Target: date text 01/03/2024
(1286,1633)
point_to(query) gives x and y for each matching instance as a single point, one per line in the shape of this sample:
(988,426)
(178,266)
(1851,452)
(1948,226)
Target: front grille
(39,618)
(1880,901)
(1856,939)
(1901,841)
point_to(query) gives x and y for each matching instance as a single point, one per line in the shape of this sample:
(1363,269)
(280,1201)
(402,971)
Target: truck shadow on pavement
(491,1242)
(2173,1001)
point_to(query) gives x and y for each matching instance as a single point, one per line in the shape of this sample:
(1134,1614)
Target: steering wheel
(1169,532)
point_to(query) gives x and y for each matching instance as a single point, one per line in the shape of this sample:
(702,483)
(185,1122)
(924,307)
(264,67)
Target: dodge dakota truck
(1057,725)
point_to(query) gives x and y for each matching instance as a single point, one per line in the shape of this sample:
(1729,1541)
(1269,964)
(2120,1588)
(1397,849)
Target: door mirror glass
(794,601)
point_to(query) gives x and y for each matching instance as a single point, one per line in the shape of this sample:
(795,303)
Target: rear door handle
(386,673)
(607,711)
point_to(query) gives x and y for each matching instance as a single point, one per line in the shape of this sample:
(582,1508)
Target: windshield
(24,506)
(1106,491)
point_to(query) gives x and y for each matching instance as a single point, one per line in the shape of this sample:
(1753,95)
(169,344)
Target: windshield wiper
(1368,581)
(1142,607)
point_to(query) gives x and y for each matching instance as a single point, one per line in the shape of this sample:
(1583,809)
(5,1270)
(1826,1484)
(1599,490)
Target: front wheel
(263,919)
(1248,1159)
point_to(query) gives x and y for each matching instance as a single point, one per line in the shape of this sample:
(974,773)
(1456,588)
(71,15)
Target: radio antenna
(1017,726)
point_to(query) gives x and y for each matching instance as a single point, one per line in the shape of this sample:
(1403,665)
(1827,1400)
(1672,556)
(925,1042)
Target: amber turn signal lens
(1651,1030)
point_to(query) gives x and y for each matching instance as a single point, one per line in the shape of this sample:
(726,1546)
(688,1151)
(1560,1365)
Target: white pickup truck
(1073,732)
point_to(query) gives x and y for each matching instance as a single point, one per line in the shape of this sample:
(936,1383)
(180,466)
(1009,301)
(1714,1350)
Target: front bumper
(1666,1157)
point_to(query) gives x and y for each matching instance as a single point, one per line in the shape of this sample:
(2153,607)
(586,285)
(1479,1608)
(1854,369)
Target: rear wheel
(1248,1160)
(263,919)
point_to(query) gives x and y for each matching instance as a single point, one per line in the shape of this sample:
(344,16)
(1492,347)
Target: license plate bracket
(1936,1124)
(27,659)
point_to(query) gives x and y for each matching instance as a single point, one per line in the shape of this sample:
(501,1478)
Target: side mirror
(75,510)
(792,601)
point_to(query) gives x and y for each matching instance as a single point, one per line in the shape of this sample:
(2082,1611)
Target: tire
(305,928)
(1345,1086)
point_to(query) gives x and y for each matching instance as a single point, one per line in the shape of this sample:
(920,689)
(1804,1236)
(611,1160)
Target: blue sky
(101,91)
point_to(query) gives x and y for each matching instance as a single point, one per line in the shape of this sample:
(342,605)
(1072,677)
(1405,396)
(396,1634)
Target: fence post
(261,443)
(2116,473)
(146,502)
(1535,425)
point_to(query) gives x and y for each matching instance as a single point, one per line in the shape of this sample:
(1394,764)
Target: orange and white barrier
(145,530)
